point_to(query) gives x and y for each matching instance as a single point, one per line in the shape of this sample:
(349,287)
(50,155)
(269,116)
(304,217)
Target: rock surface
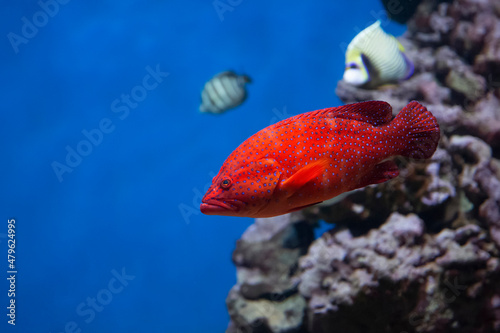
(398,278)
(420,253)
(266,257)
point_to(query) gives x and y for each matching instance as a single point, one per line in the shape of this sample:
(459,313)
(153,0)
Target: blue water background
(132,203)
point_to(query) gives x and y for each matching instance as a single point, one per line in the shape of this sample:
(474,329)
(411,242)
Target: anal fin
(382,172)
(302,207)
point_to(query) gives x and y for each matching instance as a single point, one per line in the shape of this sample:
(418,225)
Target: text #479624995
(11,271)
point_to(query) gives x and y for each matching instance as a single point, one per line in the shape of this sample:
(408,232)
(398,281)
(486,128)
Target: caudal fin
(418,129)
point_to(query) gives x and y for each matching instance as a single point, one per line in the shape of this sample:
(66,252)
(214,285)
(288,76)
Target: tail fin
(419,129)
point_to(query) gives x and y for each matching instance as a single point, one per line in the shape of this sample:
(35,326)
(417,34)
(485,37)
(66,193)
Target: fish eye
(352,65)
(225,184)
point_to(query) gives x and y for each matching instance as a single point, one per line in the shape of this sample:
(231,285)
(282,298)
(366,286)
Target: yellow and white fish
(374,58)
(224,91)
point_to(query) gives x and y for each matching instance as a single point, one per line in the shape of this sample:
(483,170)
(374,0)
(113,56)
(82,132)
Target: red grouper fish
(315,156)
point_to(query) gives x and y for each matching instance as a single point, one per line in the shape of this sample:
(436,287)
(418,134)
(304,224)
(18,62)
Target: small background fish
(374,58)
(224,91)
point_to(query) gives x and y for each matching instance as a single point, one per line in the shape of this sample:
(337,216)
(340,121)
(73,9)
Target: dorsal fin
(373,112)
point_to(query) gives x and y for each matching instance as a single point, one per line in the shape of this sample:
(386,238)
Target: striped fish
(374,58)
(224,91)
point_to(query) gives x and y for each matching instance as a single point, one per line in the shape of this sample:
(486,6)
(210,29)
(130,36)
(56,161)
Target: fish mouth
(221,207)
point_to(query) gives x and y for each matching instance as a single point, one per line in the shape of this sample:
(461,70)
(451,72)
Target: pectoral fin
(305,175)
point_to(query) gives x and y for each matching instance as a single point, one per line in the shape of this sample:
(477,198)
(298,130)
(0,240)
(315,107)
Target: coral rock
(266,258)
(415,276)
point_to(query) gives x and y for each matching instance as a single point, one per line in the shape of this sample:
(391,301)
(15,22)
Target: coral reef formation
(398,278)
(420,253)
